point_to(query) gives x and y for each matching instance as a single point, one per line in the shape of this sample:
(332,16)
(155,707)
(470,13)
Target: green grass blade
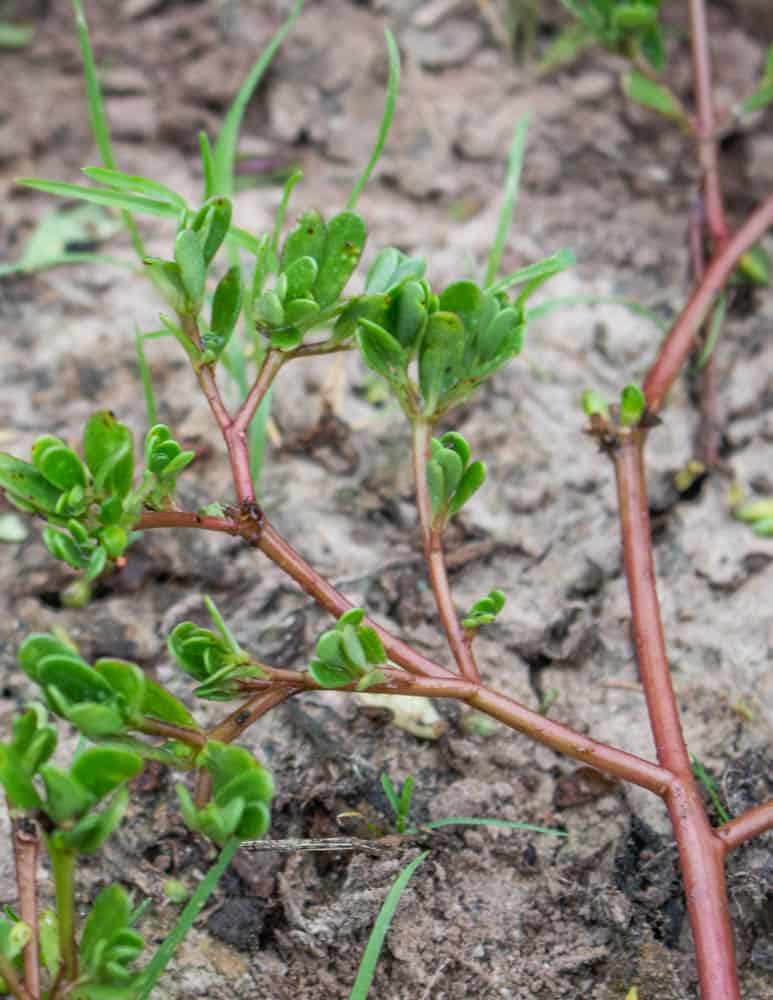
(224,155)
(102,196)
(542,270)
(436,824)
(146,379)
(569,301)
(390,102)
(136,184)
(207,165)
(281,211)
(97,115)
(512,183)
(375,943)
(59,260)
(715,328)
(155,968)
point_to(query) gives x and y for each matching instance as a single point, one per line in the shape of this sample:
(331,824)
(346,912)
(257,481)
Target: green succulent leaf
(344,242)
(109,450)
(632,405)
(329,675)
(287,339)
(354,616)
(472,480)
(60,465)
(300,311)
(73,678)
(268,309)
(126,679)
(372,645)
(212,223)
(594,404)
(66,797)
(158,703)
(458,443)
(16,779)
(364,307)
(412,315)
(440,359)
(88,835)
(651,94)
(14,936)
(306,240)
(390,268)
(301,275)
(227,304)
(103,769)
(380,351)
(189,257)
(23,482)
(37,647)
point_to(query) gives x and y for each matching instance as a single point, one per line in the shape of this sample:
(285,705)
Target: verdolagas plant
(434,349)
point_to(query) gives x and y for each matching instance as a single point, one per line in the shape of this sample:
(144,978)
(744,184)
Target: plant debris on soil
(492,913)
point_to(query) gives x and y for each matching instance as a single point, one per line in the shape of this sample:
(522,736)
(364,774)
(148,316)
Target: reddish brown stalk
(705,125)
(700,850)
(680,340)
(713,211)
(26,849)
(249,712)
(272,362)
(751,824)
(433,556)
(169,731)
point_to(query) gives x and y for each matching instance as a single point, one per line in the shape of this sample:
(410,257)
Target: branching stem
(751,824)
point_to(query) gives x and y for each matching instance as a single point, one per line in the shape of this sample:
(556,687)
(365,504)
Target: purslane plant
(434,349)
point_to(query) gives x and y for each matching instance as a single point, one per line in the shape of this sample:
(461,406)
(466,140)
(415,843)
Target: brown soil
(491,913)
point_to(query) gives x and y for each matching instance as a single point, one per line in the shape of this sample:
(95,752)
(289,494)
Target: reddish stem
(249,712)
(26,850)
(679,341)
(700,850)
(433,556)
(751,824)
(705,125)
(168,731)
(272,362)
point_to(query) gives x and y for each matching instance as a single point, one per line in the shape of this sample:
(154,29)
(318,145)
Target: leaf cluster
(350,653)
(212,657)
(242,793)
(485,611)
(104,700)
(451,478)
(90,503)
(66,797)
(456,339)
(629,412)
(758,514)
(624,26)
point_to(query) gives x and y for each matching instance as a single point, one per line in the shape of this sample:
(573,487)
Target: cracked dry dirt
(491,913)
